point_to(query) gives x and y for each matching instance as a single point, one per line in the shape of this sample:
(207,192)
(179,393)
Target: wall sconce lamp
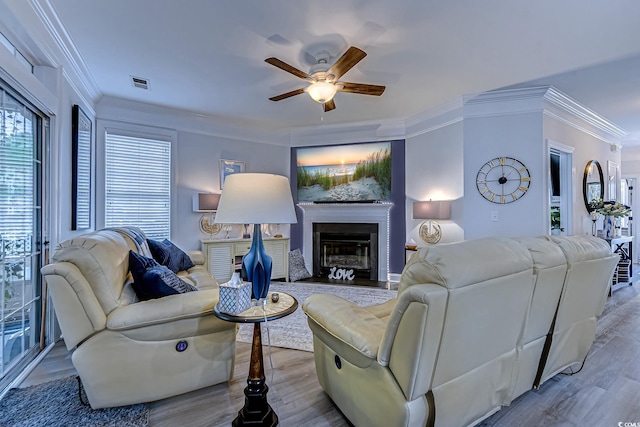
(430,231)
(207,202)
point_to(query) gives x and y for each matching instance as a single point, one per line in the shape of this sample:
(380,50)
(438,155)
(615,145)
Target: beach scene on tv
(344,173)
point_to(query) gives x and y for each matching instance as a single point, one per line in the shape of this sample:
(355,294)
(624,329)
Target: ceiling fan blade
(287,95)
(351,57)
(329,105)
(361,88)
(286,67)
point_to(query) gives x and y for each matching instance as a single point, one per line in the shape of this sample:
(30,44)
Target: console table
(256,410)
(624,247)
(223,256)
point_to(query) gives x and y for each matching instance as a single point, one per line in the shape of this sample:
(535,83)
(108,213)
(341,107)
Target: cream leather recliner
(470,330)
(127,351)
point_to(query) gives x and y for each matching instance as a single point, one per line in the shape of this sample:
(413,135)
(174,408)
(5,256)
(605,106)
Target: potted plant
(612,212)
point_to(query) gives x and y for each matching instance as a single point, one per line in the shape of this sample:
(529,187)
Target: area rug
(56,403)
(293,331)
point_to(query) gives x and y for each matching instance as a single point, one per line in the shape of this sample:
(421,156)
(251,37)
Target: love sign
(341,274)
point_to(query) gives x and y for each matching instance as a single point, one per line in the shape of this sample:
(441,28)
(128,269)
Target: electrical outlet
(494,216)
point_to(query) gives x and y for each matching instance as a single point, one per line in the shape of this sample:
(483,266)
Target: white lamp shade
(322,91)
(256,198)
(432,210)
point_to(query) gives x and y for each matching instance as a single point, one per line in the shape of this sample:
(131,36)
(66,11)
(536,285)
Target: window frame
(136,131)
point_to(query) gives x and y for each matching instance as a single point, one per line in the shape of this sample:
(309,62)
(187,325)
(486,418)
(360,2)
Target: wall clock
(503,180)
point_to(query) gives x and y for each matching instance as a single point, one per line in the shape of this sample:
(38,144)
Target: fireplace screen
(345,251)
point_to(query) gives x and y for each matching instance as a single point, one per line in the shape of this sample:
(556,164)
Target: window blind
(138,184)
(17,169)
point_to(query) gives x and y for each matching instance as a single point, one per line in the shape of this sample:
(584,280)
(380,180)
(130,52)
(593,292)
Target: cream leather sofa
(475,324)
(127,351)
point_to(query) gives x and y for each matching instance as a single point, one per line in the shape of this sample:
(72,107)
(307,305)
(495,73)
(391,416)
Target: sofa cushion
(168,254)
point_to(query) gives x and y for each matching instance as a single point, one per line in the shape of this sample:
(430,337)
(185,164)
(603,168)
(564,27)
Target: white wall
(434,171)
(520,123)
(511,135)
(196,156)
(198,171)
(587,147)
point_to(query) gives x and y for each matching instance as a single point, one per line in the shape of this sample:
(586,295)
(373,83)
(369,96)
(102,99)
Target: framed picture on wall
(229,167)
(81,169)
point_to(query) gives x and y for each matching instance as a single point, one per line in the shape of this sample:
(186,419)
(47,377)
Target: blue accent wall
(396,214)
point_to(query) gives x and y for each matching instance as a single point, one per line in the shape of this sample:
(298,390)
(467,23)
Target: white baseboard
(394,277)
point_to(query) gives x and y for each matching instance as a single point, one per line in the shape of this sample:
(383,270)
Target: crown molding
(75,69)
(548,101)
(346,133)
(565,103)
(435,118)
(125,110)
(443,115)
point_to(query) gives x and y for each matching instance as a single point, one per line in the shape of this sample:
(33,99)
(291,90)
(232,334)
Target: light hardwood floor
(604,393)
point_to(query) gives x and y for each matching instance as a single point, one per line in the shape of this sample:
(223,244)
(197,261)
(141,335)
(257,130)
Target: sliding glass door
(21,140)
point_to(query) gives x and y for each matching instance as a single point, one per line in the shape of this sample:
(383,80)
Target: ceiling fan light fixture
(322,91)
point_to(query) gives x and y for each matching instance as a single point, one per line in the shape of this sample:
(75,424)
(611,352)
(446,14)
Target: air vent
(140,83)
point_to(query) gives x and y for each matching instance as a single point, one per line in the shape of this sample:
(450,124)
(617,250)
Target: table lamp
(430,231)
(256,198)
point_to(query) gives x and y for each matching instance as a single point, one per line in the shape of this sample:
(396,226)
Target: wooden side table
(256,410)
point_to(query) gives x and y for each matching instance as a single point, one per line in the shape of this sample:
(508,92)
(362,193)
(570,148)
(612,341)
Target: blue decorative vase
(257,266)
(608,227)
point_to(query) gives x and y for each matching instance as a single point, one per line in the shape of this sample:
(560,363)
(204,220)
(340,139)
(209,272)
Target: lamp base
(430,232)
(257,266)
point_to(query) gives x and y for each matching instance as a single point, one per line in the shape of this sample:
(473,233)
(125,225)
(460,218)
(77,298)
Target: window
(21,141)
(138,184)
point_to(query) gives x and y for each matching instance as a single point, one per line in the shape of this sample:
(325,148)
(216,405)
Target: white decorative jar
(618,227)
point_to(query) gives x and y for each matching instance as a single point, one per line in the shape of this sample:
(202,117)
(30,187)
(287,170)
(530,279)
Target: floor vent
(140,83)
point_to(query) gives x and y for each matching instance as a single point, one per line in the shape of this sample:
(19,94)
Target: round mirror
(593,184)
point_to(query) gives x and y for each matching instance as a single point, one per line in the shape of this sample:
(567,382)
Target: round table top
(286,305)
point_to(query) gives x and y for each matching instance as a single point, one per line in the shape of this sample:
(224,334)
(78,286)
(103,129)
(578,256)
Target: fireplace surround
(352,213)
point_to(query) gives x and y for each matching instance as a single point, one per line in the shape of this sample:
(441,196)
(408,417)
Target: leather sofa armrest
(197,257)
(382,311)
(349,323)
(163,310)
(76,307)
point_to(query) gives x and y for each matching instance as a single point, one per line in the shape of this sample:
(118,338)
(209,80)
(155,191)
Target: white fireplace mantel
(376,213)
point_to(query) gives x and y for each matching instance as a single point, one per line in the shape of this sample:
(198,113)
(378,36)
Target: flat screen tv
(344,173)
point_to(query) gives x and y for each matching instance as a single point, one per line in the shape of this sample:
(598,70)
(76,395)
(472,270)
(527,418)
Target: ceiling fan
(324,79)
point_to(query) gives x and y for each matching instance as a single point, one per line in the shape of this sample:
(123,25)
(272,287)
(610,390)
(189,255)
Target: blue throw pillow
(158,282)
(139,264)
(152,280)
(168,254)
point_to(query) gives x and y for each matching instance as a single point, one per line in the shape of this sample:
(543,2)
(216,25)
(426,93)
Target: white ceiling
(208,56)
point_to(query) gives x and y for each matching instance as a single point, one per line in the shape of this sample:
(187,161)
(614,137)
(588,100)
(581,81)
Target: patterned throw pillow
(152,280)
(168,254)
(297,269)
